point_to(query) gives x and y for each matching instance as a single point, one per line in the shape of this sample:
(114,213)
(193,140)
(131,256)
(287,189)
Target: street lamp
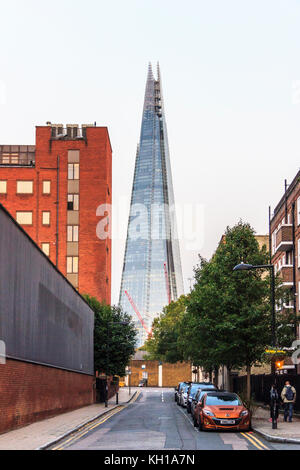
(248,267)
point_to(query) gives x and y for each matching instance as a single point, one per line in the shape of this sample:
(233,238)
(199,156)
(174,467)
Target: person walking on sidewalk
(274,403)
(288,396)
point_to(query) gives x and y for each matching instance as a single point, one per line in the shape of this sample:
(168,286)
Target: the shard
(152,272)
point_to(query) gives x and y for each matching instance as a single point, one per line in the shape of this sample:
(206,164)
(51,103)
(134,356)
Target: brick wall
(29,393)
(95,189)
(172,374)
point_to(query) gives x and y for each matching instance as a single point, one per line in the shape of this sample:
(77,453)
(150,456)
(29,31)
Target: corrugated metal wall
(42,318)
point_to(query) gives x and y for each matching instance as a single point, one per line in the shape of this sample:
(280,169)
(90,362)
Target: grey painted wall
(42,318)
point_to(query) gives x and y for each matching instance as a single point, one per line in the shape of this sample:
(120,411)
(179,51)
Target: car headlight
(208,412)
(244,413)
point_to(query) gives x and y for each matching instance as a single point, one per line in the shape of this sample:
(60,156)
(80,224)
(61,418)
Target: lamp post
(248,267)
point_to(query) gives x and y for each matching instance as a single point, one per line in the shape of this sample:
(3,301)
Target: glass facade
(152,240)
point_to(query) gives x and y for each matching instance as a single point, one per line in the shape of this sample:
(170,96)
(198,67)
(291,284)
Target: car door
(199,409)
(194,402)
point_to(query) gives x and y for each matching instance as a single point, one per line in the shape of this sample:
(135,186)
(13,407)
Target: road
(155,422)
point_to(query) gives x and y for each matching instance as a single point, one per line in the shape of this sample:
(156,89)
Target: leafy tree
(164,344)
(114,338)
(228,316)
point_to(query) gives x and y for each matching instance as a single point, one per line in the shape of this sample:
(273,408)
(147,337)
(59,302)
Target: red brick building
(285,245)
(53,189)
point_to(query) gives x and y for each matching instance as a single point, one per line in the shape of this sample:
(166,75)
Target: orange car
(222,410)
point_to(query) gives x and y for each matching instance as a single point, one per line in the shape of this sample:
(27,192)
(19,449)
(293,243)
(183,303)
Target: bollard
(117,398)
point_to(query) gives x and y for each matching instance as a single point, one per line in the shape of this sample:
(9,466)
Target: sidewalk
(285,432)
(37,435)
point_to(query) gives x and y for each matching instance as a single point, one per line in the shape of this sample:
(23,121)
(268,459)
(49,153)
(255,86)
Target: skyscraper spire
(152,254)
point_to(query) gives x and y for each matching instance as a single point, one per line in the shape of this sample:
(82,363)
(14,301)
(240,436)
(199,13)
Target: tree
(229,317)
(114,338)
(164,344)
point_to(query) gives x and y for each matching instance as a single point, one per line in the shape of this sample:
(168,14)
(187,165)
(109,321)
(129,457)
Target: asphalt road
(155,422)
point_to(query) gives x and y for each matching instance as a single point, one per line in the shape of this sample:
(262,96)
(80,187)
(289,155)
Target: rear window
(221,400)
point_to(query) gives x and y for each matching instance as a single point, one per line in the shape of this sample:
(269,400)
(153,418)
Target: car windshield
(203,392)
(207,386)
(221,400)
(194,390)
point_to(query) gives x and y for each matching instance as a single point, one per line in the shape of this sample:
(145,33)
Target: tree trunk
(228,382)
(216,377)
(248,382)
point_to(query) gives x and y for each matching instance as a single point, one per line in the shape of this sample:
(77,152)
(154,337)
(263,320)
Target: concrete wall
(47,328)
(43,319)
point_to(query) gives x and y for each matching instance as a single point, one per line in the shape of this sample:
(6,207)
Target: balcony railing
(284,238)
(286,276)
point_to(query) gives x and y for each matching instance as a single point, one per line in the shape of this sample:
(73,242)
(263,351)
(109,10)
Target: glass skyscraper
(152,272)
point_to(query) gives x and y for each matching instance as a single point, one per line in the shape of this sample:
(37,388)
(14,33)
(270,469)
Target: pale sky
(231,82)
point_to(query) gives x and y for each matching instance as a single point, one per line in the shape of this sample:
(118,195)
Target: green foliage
(228,317)
(114,338)
(164,344)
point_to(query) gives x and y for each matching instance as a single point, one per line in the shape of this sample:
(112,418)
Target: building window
(46,248)
(46,218)
(73,171)
(72,264)
(72,233)
(24,187)
(3,187)
(24,218)
(46,187)
(73,202)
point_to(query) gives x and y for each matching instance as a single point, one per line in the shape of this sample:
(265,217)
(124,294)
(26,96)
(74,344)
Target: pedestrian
(274,403)
(288,396)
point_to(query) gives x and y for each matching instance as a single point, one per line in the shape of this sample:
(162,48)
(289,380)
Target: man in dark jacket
(274,403)
(288,396)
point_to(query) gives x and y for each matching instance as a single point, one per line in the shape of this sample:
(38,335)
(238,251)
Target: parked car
(192,390)
(178,390)
(183,395)
(199,394)
(222,410)
(143,383)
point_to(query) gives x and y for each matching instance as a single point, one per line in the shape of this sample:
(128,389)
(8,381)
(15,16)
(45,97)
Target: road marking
(88,427)
(251,439)
(259,447)
(250,434)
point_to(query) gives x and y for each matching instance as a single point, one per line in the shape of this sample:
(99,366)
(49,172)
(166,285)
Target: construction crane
(167,283)
(138,313)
